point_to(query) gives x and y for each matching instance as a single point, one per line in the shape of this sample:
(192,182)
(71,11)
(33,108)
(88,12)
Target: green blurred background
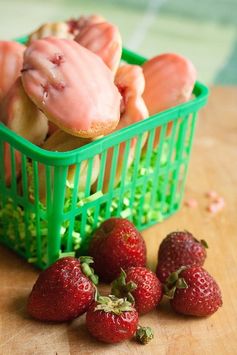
(203,30)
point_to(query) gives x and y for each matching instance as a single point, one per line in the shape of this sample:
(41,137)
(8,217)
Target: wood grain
(213,166)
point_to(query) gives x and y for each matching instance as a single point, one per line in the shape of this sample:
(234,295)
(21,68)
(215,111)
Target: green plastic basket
(149,191)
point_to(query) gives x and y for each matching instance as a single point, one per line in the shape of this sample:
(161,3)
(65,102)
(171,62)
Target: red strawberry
(140,286)
(63,291)
(116,244)
(111,319)
(177,249)
(193,291)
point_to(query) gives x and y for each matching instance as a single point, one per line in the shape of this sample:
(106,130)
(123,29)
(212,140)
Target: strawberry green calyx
(144,335)
(201,241)
(87,269)
(86,259)
(121,288)
(112,304)
(173,282)
(204,243)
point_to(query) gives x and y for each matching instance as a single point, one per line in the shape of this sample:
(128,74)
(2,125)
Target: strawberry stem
(144,335)
(113,304)
(87,269)
(173,282)
(86,259)
(181,283)
(204,243)
(121,288)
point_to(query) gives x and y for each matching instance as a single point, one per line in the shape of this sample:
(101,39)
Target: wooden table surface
(213,166)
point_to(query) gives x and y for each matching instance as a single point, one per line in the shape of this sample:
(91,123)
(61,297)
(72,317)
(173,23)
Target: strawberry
(177,249)
(63,291)
(140,286)
(193,291)
(116,244)
(111,319)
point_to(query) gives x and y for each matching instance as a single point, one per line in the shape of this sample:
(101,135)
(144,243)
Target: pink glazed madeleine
(103,39)
(170,79)
(21,115)
(55,29)
(72,86)
(77,24)
(11,60)
(130,81)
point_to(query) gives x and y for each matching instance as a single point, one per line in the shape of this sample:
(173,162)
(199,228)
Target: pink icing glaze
(130,81)
(103,39)
(11,60)
(170,79)
(76,25)
(70,84)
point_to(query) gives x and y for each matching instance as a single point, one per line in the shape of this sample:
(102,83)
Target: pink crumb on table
(212,194)
(217,205)
(192,203)
(220,200)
